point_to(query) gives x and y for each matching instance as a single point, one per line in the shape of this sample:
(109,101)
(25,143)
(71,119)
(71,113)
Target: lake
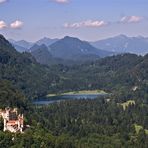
(55,99)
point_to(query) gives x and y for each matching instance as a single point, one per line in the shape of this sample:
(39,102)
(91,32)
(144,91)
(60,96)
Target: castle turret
(21,122)
(7,114)
(5,124)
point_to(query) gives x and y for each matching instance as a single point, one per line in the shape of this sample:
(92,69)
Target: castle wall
(12,121)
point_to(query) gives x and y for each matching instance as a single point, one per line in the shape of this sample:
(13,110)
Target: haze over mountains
(124,44)
(74,48)
(55,51)
(119,44)
(46,41)
(25,45)
(21,45)
(47,51)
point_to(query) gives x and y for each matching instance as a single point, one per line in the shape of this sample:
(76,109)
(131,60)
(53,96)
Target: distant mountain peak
(24,42)
(45,38)
(122,36)
(124,44)
(72,48)
(71,38)
(38,47)
(21,41)
(47,41)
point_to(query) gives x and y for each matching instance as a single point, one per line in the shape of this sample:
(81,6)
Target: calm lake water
(56,99)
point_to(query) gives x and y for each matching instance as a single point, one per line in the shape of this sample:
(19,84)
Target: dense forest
(108,73)
(102,122)
(83,123)
(23,71)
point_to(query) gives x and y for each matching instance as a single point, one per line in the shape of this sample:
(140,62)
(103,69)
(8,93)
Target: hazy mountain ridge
(23,45)
(66,51)
(124,44)
(43,56)
(118,44)
(46,41)
(71,50)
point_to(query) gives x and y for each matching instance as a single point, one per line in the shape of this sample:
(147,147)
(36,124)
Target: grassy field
(78,93)
(127,103)
(138,128)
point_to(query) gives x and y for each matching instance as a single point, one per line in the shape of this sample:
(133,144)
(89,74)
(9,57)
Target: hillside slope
(23,71)
(74,49)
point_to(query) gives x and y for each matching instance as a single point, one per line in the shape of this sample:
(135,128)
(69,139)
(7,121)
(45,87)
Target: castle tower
(21,122)
(7,114)
(5,124)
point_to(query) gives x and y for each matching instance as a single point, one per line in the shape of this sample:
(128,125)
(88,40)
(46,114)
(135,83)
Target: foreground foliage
(82,123)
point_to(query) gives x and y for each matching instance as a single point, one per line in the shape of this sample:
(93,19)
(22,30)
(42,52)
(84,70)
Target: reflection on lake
(56,99)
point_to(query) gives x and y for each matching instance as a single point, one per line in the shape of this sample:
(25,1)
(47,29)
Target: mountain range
(74,49)
(54,51)
(23,45)
(46,41)
(66,50)
(124,44)
(118,44)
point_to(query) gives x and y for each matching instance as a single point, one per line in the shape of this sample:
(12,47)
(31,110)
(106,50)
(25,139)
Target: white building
(12,121)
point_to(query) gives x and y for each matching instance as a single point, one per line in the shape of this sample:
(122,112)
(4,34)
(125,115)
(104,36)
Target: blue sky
(86,19)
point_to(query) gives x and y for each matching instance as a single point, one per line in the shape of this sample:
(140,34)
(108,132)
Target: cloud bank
(101,23)
(61,1)
(2,25)
(16,25)
(3,1)
(131,19)
(88,23)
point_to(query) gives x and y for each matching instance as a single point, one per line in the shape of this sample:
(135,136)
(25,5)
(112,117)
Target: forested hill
(121,72)
(23,71)
(112,73)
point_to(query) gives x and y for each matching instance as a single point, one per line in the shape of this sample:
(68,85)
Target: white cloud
(88,23)
(131,19)
(16,25)
(61,1)
(2,1)
(2,25)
